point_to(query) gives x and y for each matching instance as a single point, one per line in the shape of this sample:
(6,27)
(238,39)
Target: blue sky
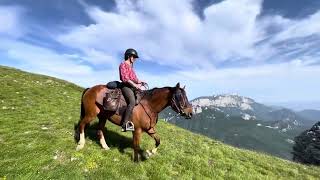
(267,50)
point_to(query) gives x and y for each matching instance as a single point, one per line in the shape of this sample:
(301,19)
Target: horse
(144,115)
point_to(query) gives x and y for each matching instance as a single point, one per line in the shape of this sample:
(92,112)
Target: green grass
(37,120)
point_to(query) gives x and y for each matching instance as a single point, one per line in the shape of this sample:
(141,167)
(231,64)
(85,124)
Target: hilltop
(37,120)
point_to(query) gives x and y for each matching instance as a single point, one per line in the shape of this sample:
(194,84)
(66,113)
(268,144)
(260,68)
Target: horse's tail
(82,113)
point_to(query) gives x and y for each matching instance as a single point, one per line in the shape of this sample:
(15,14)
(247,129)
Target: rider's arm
(133,84)
(124,76)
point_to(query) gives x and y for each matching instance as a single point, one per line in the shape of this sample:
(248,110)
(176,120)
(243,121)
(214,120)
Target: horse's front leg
(136,144)
(157,140)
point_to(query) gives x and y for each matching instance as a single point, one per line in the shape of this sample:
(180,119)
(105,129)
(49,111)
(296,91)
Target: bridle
(179,102)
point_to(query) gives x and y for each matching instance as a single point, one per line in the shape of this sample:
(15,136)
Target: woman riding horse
(131,84)
(144,115)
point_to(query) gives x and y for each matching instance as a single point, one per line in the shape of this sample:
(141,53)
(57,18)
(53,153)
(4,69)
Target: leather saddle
(114,100)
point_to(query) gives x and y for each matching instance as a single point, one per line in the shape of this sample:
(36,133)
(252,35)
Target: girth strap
(153,119)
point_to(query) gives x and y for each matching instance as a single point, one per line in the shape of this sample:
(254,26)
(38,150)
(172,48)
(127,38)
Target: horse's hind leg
(86,120)
(157,140)
(101,125)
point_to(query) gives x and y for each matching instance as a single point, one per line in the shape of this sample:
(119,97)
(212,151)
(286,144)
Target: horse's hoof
(104,144)
(136,160)
(106,148)
(79,147)
(154,151)
(149,153)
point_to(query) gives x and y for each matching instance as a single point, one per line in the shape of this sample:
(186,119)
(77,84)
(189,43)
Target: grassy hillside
(36,142)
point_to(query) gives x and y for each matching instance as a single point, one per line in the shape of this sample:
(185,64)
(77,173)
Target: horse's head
(180,103)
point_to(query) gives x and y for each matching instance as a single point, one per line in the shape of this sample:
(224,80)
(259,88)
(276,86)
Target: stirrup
(128,127)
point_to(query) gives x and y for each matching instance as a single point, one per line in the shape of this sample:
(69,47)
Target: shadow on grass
(113,139)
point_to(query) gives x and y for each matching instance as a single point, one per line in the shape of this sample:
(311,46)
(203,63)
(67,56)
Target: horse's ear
(178,85)
(184,87)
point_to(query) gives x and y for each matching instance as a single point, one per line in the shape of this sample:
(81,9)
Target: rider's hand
(141,82)
(138,86)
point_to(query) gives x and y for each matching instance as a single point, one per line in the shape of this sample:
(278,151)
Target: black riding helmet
(130,52)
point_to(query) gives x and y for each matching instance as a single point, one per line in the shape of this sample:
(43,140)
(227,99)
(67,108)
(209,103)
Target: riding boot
(127,124)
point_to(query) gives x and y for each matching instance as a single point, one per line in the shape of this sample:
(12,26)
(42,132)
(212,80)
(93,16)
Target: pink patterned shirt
(127,73)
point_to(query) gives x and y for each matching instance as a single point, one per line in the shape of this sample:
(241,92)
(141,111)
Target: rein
(177,103)
(156,116)
(176,100)
(149,92)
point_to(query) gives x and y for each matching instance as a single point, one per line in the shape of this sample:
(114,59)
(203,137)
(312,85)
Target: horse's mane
(150,92)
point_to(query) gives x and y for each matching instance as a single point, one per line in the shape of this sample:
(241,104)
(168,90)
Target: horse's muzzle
(187,115)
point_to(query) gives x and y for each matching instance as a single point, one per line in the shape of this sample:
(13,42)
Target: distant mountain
(242,122)
(234,105)
(312,116)
(298,105)
(286,119)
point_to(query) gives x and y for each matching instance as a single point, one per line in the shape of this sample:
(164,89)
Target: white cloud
(230,27)
(45,61)
(299,28)
(171,31)
(10,17)
(174,34)
(98,57)
(289,81)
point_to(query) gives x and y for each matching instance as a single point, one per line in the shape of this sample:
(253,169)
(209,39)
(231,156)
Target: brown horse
(144,115)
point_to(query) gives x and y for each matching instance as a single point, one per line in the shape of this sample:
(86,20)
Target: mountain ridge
(248,108)
(216,117)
